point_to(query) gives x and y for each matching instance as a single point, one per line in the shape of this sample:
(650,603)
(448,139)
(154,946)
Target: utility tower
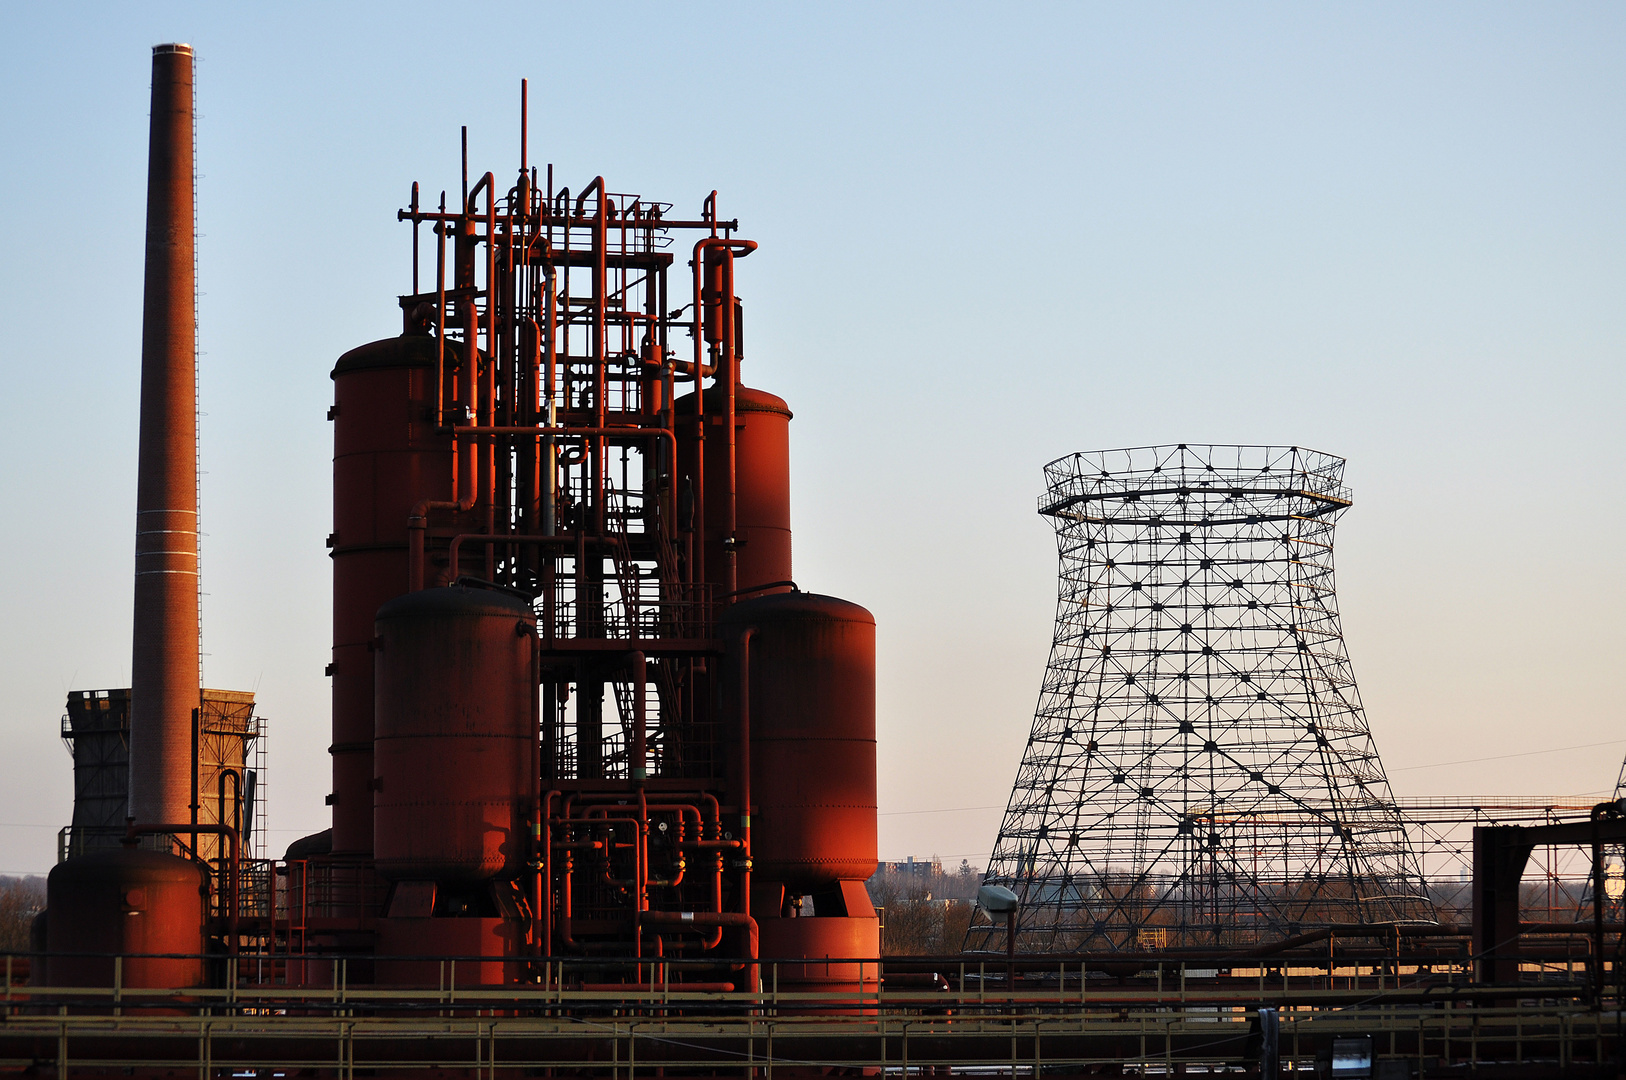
(1200,770)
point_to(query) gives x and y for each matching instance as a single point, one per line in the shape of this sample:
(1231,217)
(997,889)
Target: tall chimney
(164,676)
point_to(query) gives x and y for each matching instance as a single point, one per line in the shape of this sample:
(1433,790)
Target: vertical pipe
(731,379)
(697,556)
(440,317)
(488,397)
(744,765)
(197,750)
(639,770)
(415,224)
(550,459)
(164,676)
(601,353)
(1597,906)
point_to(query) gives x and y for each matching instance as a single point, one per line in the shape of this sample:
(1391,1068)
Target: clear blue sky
(991,235)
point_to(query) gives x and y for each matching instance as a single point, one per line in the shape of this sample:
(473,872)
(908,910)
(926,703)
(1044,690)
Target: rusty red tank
(126,902)
(454,735)
(762,484)
(387,457)
(812,723)
(416,948)
(838,951)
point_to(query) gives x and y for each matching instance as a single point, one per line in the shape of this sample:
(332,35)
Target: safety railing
(974,1020)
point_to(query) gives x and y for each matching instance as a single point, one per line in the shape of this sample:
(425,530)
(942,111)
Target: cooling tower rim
(1174,472)
(1247,457)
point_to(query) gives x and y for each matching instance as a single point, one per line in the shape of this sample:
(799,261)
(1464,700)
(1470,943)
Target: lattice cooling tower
(1200,770)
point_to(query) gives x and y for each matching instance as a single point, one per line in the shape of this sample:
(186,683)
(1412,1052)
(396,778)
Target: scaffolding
(1557,885)
(1200,770)
(230,770)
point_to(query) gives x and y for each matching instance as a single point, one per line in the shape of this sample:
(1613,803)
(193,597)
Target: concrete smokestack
(164,677)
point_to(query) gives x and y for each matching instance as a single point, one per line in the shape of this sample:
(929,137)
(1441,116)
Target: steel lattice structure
(1200,769)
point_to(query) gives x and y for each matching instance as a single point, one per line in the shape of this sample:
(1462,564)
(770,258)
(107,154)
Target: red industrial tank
(419,951)
(762,484)
(812,699)
(455,733)
(387,456)
(840,953)
(125,902)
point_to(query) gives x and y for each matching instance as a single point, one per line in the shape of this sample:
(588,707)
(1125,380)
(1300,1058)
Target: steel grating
(1200,770)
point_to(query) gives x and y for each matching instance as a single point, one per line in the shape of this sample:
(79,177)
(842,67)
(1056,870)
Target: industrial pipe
(745,790)
(236,799)
(550,511)
(598,354)
(728,372)
(639,770)
(685,920)
(417,524)
(627,431)
(464,493)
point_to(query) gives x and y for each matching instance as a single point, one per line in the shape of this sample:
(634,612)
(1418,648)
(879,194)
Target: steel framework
(1200,769)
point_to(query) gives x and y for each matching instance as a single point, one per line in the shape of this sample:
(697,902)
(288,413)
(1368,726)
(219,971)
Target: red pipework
(728,372)
(551,439)
(440,319)
(745,772)
(417,523)
(600,345)
(469,481)
(640,750)
(620,432)
(542,913)
(560,429)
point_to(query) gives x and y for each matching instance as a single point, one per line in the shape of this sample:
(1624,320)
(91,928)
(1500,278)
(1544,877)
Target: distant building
(932,867)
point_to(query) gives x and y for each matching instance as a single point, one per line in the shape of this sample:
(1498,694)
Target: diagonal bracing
(1200,770)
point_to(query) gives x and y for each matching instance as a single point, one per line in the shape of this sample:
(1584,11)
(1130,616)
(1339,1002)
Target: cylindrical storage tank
(836,951)
(454,734)
(812,699)
(126,903)
(387,457)
(417,952)
(761,484)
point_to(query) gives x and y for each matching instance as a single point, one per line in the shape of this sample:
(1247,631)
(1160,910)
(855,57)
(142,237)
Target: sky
(991,236)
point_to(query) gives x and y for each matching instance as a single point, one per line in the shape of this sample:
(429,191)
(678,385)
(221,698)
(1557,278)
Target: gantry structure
(1200,770)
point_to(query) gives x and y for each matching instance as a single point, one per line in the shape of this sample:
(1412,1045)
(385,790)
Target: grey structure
(1200,770)
(230,763)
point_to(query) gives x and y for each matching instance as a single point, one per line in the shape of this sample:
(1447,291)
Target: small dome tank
(812,688)
(761,484)
(126,902)
(454,734)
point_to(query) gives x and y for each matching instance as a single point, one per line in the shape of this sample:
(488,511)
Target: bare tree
(925,911)
(21,898)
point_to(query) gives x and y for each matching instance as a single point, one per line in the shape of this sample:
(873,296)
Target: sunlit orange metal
(454,727)
(125,902)
(164,667)
(388,457)
(812,707)
(540,553)
(760,532)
